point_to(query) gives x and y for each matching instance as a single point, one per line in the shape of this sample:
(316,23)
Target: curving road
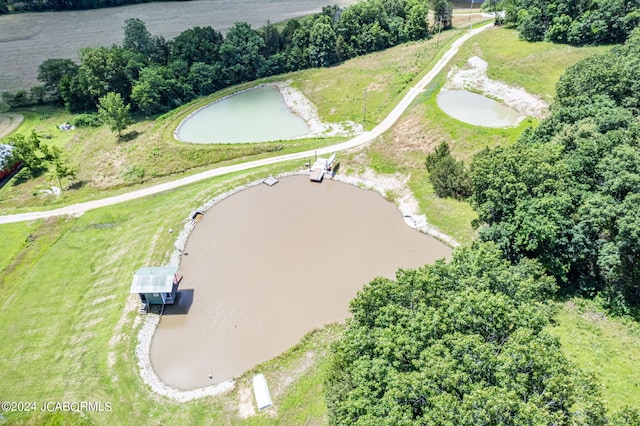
(394,115)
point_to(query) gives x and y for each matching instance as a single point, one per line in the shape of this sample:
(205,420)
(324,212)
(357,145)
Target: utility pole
(470,9)
(439,30)
(364,108)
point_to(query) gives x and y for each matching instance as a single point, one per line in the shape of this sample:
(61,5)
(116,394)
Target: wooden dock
(316,175)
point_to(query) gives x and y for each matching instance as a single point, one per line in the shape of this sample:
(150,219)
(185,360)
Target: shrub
(87,120)
(448,176)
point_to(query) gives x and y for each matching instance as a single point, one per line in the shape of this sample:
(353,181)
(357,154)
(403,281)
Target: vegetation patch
(603,345)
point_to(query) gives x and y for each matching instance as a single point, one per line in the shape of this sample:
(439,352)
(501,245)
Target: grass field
(68,325)
(607,347)
(534,66)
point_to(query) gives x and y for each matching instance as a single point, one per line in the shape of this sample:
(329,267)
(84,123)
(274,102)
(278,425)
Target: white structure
(261,391)
(320,167)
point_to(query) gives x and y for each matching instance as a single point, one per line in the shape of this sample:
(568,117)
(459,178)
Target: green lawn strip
(20,196)
(14,237)
(605,346)
(44,121)
(450,216)
(339,92)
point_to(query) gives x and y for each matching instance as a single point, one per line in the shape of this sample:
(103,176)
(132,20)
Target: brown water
(269,264)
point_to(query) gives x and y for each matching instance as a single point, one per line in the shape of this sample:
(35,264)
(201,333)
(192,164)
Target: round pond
(476,109)
(256,115)
(269,264)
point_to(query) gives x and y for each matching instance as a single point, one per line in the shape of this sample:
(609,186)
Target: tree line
(156,75)
(574,22)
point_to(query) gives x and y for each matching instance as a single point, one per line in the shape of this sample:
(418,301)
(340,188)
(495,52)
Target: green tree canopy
(108,69)
(197,44)
(114,112)
(573,21)
(52,71)
(563,193)
(458,343)
(448,176)
(138,39)
(241,53)
(158,90)
(31,152)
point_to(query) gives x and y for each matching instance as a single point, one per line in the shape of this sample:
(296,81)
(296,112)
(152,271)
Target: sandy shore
(301,106)
(474,77)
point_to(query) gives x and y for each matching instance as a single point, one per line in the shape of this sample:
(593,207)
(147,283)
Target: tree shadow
(77,184)
(129,136)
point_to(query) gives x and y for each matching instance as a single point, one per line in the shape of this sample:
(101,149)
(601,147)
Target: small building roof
(156,279)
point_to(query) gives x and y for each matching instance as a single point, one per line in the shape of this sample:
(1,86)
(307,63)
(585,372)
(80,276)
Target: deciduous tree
(52,71)
(114,112)
(460,343)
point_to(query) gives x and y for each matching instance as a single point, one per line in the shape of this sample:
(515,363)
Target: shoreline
(406,204)
(473,76)
(299,105)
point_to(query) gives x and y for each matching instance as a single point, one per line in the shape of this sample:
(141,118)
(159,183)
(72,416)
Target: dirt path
(9,123)
(358,141)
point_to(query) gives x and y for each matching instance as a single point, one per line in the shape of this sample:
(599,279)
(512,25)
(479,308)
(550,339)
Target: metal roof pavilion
(157,279)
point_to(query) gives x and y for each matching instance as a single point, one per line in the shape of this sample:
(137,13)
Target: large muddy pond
(269,264)
(256,115)
(476,109)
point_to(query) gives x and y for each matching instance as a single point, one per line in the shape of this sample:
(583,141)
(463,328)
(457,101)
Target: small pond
(477,109)
(256,115)
(268,265)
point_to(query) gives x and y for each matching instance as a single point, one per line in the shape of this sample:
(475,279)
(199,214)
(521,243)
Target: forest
(575,22)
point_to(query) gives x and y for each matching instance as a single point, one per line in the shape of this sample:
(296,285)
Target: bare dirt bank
(9,123)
